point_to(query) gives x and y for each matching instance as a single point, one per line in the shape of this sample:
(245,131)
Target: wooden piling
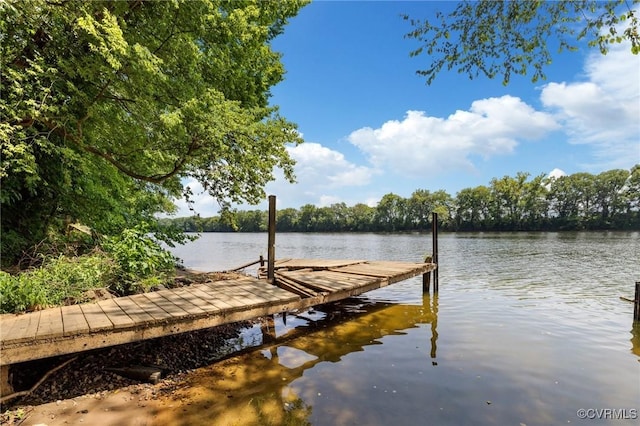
(426,282)
(271,243)
(636,304)
(6,387)
(434,238)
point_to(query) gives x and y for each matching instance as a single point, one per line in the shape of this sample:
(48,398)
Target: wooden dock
(299,283)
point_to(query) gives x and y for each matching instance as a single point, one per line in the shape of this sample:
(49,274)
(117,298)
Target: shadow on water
(255,387)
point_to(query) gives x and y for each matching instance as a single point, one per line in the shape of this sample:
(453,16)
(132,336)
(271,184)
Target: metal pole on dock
(636,304)
(271,243)
(434,238)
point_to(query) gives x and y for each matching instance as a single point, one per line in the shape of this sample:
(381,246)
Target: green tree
(515,37)
(472,208)
(535,204)
(420,206)
(105,101)
(443,205)
(632,197)
(361,217)
(252,220)
(609,196)
(391,213)
(508,201)
(287,219)
(308,218)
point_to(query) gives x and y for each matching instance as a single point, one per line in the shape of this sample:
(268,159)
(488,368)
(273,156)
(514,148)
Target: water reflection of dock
(298,284)
(257,384)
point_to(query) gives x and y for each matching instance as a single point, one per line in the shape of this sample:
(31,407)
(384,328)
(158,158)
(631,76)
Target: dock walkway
(300,283)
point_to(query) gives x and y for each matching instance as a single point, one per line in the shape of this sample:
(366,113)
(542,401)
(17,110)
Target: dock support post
(5,381)
(434,238)
(271,243)
(636,304)
(426,282)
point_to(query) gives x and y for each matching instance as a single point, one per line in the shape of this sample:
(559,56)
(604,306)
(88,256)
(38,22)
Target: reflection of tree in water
(254,388)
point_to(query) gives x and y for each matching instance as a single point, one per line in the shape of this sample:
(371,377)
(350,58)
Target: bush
(131,262)
(60,280)
(142,262)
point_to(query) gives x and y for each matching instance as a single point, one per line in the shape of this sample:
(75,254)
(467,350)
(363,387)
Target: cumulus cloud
(604,110)
(323,177)
(321,166)
(420,144)
(556,173)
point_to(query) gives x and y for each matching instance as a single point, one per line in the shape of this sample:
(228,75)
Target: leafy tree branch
(493,38)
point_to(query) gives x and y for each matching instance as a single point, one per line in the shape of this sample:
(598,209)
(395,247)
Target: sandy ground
(121,407)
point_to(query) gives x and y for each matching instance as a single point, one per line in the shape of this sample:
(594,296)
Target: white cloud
(556,173)
(319,165)
(421,145)
(604,110)
(323,177)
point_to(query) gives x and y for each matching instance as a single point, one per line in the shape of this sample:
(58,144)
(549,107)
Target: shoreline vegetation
(581,201)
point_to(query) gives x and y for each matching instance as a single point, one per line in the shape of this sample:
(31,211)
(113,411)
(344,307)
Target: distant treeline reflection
(581,201)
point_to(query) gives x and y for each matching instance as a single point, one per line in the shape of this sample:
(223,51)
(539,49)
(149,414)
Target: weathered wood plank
(386,269)
(73,320)
(259,292)
(276,293)
(247,286)
(185,300)
(329,281)
(116,315)
(50,324)
(22,327)
(244,290)
(294,287)
(224,296)
(200,299)
(166,305)
(135,312)
(316,263)
(6,325)
(174,304)
(310,281)
(367,271)
(96,318)
(151,308)
(209,296)
(268,292)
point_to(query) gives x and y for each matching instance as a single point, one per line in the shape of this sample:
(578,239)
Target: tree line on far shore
(581,201)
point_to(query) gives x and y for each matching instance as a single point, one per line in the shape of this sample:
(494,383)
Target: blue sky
(372,126)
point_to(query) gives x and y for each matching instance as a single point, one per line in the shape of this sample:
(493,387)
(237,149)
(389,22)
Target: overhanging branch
(156,179)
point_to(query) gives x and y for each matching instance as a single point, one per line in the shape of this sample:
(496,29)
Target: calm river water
(528,329)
